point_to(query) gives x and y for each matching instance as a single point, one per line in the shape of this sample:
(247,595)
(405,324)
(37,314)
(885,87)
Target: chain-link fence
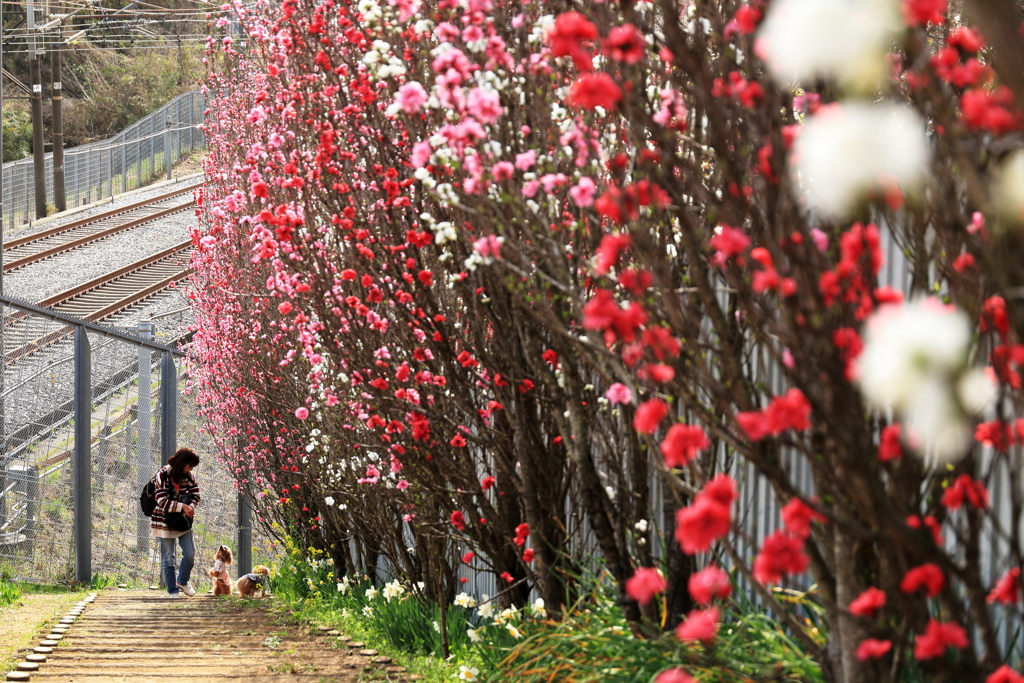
(88,414)
(143,151)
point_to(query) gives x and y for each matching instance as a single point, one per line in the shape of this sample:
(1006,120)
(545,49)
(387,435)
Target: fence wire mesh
(126,413)
(127,161)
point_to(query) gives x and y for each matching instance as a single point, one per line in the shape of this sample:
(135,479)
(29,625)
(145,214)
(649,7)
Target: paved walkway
(142,637)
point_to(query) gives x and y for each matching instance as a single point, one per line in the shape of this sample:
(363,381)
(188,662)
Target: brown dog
(247,584)
(219,572)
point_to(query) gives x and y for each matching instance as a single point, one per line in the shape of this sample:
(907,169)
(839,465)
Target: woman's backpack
(147,499)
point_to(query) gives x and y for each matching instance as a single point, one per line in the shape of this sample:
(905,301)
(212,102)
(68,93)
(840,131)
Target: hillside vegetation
(124,66)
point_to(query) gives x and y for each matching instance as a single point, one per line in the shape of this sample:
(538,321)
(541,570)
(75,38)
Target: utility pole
(57,131)
(38,153)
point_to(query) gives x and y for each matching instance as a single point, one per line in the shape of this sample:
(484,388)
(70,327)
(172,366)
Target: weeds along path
(142,637)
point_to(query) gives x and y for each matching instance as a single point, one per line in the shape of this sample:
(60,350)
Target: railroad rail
(23,251)
(103,297)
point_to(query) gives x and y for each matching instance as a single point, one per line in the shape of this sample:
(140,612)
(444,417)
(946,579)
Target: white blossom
(849,150)
(1009,187)
(802,40)
(465,600)
(915,362)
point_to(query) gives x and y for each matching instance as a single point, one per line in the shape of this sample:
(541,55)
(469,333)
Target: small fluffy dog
(247,584)
(219,572)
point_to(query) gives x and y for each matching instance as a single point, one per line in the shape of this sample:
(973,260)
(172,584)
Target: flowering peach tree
(477,275)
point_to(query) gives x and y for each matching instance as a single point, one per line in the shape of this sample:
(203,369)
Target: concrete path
(142,637)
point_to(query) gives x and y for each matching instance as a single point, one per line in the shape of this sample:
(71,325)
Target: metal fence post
(244,535)
(169,405)
(143,457)
(124,163)
(167,141)
(83,459)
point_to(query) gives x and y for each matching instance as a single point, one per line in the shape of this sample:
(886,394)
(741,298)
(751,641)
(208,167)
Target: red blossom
(721,489)
(1004,674)
(780,554)
(699,625)
(728,242)
(468,557)
(522,533)
(889,447)
(701,524)
(994,434)
(966,488)
(645,583)
(966,38)
(928,576)
(790,411)
(487,482)
(709,583)
(604,313)
(458,520)
(872,648)
(993,111)
(458,441)
(924,12)
(507,577)
(649,415)
(797,517)
(937,637)
(625,44)
(594,90)
(566,38)
(994,316)
(868,603)
(608,252)
(528,555)
(747,19)
(1007,588)
(682,443)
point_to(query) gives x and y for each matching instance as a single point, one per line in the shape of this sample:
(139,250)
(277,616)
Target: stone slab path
(142,637)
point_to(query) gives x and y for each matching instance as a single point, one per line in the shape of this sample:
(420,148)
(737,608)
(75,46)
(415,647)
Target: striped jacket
(167,497)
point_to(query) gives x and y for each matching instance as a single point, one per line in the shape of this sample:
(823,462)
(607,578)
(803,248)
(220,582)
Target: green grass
(593,643)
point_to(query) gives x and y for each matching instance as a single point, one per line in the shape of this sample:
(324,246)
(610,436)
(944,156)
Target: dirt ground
(23,620)
(143,637)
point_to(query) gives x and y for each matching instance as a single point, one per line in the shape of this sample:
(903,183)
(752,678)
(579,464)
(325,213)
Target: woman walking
(176,492)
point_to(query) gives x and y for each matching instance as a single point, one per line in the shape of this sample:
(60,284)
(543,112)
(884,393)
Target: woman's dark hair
(181,459)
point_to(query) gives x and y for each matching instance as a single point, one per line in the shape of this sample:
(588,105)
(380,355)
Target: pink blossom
(485,105)
(503,170)
(402,485)
(820,240)
(472,33)
(675,675)
(301,413)
(420,154)
(619,393)
(488,247)
(411,97)
(446,32)
(551,181)
(526,160)
(582,193)
(530,189)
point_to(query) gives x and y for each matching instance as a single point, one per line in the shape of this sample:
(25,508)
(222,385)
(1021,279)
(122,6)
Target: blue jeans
(188,560)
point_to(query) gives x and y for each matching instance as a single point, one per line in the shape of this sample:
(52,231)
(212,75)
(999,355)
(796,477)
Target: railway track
(23,251)
(95,300)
